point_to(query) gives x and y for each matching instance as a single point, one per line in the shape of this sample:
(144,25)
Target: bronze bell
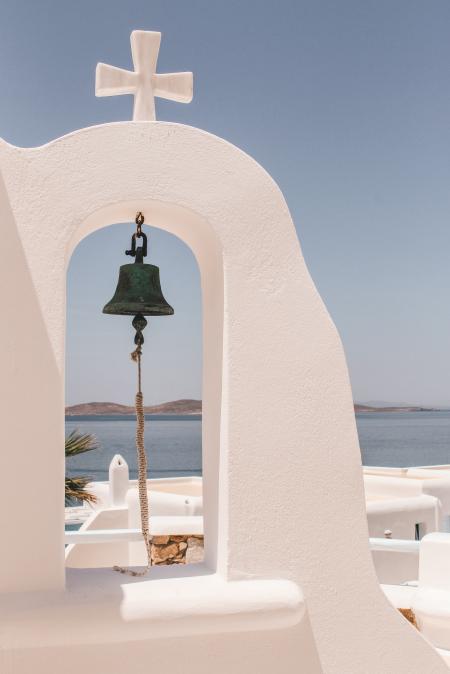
(138,289)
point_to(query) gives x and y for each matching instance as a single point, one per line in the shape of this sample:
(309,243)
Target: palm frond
(75,491)
(78,443)
(75,487)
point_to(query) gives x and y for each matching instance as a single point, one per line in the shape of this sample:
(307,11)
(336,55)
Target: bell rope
(142,473)
(139,324)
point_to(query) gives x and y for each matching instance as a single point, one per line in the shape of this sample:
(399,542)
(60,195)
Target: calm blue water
(174,443)
(404,438)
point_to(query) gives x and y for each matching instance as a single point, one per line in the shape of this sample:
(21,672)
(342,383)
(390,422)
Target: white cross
(144,83)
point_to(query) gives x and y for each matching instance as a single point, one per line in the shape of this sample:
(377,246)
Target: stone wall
(177,549)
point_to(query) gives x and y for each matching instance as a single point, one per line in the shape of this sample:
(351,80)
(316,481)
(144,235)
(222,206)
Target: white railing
(394,545)
(162,526)
(103,536)
(174,525)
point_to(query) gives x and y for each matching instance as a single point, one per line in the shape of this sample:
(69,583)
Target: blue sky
(346,104)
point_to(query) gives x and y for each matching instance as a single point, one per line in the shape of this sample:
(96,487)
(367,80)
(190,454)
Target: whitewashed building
(288,582)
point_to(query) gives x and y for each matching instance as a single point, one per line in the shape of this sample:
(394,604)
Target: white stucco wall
(281,456)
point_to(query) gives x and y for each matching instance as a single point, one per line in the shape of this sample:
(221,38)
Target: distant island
(99,409)
(188,406)
(410,408)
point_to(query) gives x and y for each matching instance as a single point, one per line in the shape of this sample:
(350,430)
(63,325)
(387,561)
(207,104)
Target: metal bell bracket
(140,252)
(139,322)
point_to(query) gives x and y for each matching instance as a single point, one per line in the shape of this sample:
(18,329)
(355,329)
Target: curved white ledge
(101,605)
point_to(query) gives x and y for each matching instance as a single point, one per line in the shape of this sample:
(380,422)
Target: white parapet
(180,514)
(406,517)
(429,596)
(431,602)
(396,561)
(382,484)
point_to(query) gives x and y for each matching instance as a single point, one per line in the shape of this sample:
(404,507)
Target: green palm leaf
(78,443)
(75,487)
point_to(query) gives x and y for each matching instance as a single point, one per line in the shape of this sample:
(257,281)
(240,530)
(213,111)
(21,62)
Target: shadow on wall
(25,347)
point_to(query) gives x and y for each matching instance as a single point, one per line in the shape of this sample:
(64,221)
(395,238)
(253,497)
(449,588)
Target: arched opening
(167,350)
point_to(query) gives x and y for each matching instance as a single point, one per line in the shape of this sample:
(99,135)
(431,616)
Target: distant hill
(369,408)
(384,403)
(195,407)
(97,409)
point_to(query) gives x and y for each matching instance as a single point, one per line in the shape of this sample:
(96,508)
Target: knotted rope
(142,472)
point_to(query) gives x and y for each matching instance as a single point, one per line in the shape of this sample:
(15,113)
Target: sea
(174,443)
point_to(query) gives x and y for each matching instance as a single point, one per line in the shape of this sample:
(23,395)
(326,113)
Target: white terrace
(405,509)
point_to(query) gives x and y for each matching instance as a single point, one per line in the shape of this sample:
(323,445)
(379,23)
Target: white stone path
(144,83)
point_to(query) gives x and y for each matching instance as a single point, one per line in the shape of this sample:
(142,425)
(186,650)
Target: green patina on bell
(138,289)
